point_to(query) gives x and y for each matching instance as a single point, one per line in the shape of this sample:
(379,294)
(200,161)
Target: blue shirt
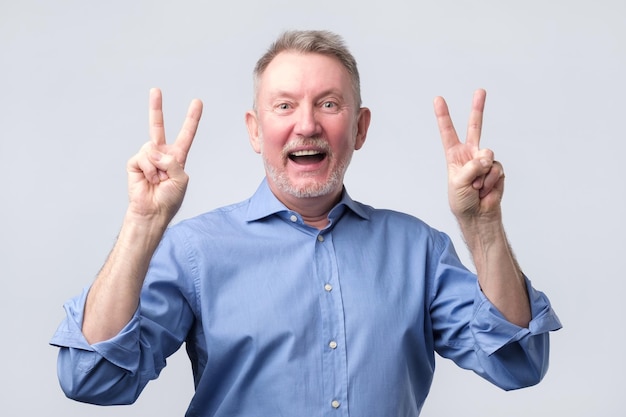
(282,319)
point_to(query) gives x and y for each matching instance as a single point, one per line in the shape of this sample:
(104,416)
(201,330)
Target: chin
(306,189)
(311,190)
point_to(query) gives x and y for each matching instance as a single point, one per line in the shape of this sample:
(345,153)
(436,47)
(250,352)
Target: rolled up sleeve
(475,335)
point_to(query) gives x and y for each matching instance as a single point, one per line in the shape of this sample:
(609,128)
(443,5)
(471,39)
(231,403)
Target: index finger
(449,138)
(475,124)
(188,131)
(155,117)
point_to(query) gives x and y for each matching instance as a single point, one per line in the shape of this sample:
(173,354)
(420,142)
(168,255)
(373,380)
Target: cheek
(342,140)
(276,133)
(271,147)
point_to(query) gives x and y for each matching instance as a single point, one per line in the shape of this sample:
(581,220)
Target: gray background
(74,86)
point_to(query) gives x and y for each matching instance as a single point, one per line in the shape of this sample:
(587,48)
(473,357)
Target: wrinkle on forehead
(297,75)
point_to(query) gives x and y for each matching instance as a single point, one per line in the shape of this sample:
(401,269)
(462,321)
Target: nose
(307,124)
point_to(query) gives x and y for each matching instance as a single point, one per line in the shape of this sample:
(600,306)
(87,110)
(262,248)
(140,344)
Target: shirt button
(293,218)
(332,344)
(335,404)
(320,238)
(328,287)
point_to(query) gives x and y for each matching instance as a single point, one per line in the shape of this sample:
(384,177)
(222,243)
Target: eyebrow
(330,92)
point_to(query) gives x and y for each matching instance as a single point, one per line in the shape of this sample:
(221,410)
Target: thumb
(167,166)
(472,173)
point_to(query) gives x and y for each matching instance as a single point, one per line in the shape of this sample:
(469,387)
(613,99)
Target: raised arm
(156,186)
(475,188)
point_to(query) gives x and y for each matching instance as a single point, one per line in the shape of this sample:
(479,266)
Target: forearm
(114,296)
(499,274)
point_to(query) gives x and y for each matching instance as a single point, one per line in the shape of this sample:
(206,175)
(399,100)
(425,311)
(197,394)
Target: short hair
(310,41)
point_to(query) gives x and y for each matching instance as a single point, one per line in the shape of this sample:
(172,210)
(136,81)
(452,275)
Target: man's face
(306,125)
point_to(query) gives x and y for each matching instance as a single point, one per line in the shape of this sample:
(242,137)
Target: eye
(330,107)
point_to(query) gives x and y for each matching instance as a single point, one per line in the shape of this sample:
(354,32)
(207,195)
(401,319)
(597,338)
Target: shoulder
(400,227)
(388,218)
(215,222)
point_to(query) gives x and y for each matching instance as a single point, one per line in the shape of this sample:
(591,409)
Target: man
(300,301)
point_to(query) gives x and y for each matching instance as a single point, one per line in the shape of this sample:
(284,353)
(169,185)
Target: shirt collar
(264,203)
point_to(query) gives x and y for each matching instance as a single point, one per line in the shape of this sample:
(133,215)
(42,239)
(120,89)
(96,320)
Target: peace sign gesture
(475,180)
(156,178)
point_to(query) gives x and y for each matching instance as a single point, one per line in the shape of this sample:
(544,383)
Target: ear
(362,124)
(253,130)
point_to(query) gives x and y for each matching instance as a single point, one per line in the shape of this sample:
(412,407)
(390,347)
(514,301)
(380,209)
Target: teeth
(305,153)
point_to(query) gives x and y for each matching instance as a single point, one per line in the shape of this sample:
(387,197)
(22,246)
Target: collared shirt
(282,319)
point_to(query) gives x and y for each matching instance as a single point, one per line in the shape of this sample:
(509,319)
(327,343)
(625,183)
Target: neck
(314,210)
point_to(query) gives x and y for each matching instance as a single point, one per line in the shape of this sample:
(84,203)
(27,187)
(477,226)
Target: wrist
(482,233)
(144,228)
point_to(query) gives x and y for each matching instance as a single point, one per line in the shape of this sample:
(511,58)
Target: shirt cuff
(122,350)
(492,331)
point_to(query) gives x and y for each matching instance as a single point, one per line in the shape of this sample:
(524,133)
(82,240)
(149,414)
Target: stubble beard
(309,189)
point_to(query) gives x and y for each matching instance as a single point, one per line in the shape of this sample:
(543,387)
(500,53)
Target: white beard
(312,188)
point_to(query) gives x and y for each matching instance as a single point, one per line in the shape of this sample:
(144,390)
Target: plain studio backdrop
(74,88)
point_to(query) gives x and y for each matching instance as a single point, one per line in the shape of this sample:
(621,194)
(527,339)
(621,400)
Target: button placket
(334,354)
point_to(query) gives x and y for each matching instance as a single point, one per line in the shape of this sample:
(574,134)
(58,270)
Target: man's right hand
(156,186)
(156,177)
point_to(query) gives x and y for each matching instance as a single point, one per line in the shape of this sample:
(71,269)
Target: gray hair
(310,41)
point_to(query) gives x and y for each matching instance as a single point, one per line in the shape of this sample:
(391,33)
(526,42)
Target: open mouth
(306,157)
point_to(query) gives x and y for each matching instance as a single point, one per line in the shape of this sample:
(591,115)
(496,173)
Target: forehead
(304,73)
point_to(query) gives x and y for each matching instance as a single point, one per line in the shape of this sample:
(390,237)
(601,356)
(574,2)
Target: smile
(307,156)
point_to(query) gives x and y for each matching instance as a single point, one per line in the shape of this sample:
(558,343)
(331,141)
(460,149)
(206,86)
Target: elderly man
(301,301)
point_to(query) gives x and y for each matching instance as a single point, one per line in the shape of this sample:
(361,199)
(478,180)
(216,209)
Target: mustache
(317,143)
